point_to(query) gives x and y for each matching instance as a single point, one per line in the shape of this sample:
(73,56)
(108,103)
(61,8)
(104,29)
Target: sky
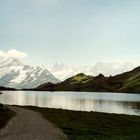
(72,32)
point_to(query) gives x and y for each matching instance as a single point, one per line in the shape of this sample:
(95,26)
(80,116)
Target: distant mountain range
(63,72)
(125,82)
(15,74)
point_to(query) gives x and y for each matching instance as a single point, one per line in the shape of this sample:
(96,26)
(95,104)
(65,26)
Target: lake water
(120,103)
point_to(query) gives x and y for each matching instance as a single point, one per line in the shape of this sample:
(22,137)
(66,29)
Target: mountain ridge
(15,74)
(63,72)
(125,82)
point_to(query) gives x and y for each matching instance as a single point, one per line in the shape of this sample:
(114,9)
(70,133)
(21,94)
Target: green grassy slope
(126,82)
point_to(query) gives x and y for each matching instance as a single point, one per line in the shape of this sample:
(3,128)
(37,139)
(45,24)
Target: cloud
(13,53)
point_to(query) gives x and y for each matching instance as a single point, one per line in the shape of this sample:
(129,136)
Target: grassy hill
(125,82)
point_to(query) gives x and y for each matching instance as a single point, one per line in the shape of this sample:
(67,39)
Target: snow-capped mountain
(111,68)
(15,74)
(63,72)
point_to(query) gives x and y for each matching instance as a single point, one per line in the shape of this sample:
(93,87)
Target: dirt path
(29,125)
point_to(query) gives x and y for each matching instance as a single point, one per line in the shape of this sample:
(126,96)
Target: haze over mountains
(62,71)
(15,74)
(128,82)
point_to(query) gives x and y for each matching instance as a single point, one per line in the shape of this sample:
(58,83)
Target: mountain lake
(120,103)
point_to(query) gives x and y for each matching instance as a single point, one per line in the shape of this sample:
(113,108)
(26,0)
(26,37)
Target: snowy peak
(15,74)
(63,72)
(111,68)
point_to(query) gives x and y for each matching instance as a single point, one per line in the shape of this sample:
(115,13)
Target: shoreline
(92,125)
(79,125)
(70,91)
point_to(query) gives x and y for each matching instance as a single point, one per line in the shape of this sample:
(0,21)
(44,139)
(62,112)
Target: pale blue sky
(71,31)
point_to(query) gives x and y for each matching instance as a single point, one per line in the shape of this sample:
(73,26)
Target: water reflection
(100,102)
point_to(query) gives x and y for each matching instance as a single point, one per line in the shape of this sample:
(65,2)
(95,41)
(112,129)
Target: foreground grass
(93,126)
(5,116)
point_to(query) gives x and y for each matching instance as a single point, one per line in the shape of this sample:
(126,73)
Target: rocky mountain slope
(15,74)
